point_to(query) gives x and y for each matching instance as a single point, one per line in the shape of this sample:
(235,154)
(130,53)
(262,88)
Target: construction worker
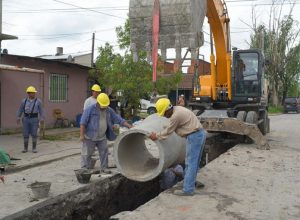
(93,98)
(32,110)
(170,176)
(96,127)
(181,101)
(87,103)
(185,124)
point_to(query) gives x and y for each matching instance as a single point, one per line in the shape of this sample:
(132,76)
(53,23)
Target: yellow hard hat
(103,100)
(31,89)
(96,88)
(162,105)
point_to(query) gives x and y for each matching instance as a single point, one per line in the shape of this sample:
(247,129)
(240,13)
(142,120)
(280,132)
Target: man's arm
(166,132)
(126,124)
(20,111)
(117,119)
(82,132)
(41,110)
(84,121)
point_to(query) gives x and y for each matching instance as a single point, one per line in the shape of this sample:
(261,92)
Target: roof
(47,60)
(16,68)
(63,56)
(186,82)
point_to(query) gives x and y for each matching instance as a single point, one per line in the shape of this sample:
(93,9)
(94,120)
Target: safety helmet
(96,88)
(31,89)
(103,100)
(162,105)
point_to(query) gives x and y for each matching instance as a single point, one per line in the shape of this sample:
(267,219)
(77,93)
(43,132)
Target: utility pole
(3,36)
(93,46)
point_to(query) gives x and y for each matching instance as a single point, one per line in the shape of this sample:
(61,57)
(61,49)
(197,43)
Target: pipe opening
(138,156)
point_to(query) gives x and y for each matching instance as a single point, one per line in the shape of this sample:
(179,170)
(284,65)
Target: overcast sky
(43,25)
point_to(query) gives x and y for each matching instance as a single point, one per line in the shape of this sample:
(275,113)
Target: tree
(281,48)
(132,79)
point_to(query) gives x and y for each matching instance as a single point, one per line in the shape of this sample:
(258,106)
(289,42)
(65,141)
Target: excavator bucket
(180,23)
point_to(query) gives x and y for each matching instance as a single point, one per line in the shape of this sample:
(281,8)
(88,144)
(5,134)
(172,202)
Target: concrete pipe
(141,159)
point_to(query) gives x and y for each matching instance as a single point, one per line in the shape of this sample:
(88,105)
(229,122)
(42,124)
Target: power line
(64,10)
(68,34)
(88,9)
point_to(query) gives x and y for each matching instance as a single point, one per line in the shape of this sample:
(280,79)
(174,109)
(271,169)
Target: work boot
(198,184)
(25,147)
(181,193)
(34,147)
(106,171)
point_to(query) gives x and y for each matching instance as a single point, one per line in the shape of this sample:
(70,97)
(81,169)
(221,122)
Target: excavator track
(232,125)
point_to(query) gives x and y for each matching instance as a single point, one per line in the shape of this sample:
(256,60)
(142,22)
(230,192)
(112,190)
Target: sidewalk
(48,150)
(55,162)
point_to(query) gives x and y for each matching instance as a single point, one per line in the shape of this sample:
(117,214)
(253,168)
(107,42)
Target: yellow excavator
(233,97)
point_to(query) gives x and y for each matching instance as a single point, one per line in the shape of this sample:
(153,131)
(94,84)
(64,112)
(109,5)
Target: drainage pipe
(139,158)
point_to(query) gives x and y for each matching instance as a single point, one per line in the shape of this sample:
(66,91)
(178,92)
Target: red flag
(155,38)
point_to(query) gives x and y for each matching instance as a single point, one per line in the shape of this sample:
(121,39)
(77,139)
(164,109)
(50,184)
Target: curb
(11,170)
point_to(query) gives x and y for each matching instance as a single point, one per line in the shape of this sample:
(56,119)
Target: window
(58,86)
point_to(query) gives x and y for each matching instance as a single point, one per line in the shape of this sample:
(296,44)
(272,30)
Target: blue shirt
(27,106)
(91,118)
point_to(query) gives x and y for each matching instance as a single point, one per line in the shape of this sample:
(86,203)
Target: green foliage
(168,83)
(282,48)
(275,109)
(133,79)
(123,34)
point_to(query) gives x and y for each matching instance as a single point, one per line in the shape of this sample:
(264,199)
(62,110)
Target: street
(243,183)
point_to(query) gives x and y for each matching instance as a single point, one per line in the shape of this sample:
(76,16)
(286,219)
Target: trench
(105,198)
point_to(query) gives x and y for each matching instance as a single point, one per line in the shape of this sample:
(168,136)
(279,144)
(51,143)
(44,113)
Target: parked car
(291,104)
(149,105)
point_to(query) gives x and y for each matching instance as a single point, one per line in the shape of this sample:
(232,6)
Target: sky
(43,25)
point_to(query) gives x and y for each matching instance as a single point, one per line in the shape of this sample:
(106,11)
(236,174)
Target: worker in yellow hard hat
(96,127)
(184,123)
(32,110)
(93,98)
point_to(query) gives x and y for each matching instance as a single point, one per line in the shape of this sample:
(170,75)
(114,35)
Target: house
(83,59)
(186,85)
(60,85)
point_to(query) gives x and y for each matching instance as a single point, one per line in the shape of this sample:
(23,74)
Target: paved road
(243,183)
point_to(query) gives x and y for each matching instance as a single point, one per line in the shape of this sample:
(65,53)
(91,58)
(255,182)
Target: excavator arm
(218,20)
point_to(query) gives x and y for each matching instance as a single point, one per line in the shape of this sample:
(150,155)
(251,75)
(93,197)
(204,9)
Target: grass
(61,137)
(275,109)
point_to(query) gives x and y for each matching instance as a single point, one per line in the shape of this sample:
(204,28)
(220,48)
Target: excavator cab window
(246,77)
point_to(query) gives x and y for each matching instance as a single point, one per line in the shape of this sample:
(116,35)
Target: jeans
(30,127)
(194,149)
(88,151)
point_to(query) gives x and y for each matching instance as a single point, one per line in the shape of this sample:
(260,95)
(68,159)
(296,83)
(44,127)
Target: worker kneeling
(96,128)
(185,124)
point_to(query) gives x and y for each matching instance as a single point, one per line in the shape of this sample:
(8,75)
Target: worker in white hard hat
(93,98)
(184,123)
(181,100)
(96,127)
(32,110)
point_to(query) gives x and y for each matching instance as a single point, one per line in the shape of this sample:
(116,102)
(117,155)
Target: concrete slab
(243,183)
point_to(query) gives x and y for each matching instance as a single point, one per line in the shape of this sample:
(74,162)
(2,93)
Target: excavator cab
(248,76)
